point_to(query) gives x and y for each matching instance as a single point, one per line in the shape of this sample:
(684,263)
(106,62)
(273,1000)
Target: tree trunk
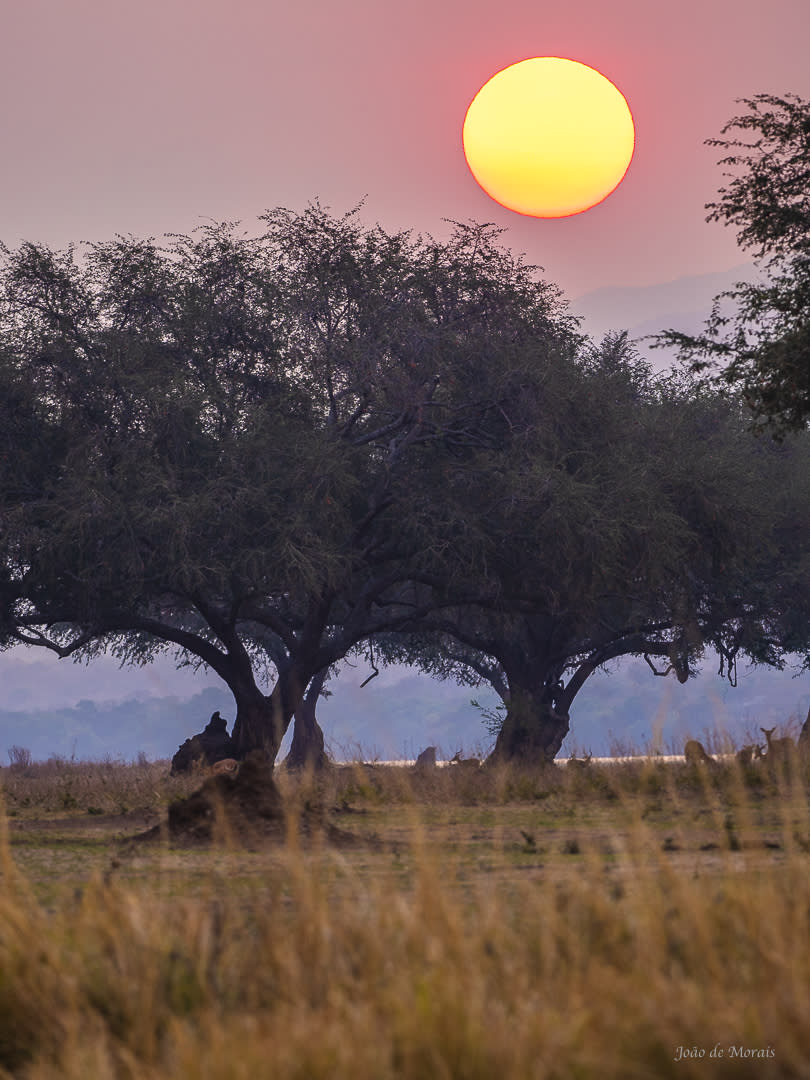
(307,750)
(256,726)
(533,729)
(262,719)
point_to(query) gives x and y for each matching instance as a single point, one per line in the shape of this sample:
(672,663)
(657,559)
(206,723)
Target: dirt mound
(242,810)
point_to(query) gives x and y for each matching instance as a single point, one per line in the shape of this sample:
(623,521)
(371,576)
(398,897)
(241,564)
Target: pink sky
(154,115)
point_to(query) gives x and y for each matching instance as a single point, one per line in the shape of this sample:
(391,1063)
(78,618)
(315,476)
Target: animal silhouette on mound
(210,745)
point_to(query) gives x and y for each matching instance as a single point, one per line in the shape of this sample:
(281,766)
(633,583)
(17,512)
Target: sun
(548,137)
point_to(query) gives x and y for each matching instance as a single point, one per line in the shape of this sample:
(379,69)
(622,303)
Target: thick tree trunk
(261,719)
(307,750)
(258,722)
(534,728)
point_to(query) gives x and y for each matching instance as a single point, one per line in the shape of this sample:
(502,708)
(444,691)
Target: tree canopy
(232,439)
(758,335)
(663,527)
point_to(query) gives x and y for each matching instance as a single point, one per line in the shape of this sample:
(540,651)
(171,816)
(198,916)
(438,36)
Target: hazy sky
(154,115)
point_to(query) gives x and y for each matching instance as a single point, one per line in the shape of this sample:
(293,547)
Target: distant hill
(116,729)
(683,304)
(401,712)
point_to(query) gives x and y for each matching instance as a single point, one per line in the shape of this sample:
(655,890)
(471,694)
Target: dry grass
(506,924)
(110,786)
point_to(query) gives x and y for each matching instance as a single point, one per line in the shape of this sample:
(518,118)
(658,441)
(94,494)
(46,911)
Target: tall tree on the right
(643,519)
(757,338)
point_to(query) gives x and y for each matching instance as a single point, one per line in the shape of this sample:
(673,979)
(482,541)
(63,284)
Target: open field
(600,922)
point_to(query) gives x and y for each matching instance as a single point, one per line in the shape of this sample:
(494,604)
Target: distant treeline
(389,719)
(94,729)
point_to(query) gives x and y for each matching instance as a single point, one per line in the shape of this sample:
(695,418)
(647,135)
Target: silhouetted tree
(675,529)
(758,335)
(307,750)
(245,437)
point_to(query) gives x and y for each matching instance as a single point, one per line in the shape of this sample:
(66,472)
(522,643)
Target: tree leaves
(756,338)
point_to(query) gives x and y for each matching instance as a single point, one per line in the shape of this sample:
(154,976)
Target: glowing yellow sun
(548,137)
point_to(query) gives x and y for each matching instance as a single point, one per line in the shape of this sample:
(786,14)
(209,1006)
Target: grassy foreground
(630,921)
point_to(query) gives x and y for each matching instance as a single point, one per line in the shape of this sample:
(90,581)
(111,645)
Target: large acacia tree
(234,446)
(663,526)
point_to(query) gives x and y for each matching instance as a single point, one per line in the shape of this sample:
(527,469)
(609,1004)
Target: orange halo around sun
(548,137)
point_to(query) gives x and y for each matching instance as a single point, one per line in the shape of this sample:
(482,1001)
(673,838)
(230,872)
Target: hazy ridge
(683,304)
(400,713)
